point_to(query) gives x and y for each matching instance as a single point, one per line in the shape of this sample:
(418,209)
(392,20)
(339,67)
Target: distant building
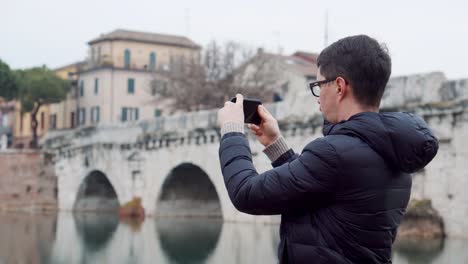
(63,114)
(113,84)
(7,118)
(303,69)
(307,56)
(287,76)
(15,126)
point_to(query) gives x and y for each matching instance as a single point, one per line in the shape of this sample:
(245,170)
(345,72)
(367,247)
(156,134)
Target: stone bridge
(172,164)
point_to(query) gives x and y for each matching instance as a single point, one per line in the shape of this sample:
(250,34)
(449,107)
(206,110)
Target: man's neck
(352,109)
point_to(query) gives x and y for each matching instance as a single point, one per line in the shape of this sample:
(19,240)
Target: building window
(53,121)
(81,88)
(130,114)
(72,119)
(277,97)
(124,114)
(99,54)
(42,120)
(81,116)
(127,58)
(131,86)
(152,62)
(4,120)
(21,122)
(95,114)
(74,91)
(157,112)
(96,86)
(93,59)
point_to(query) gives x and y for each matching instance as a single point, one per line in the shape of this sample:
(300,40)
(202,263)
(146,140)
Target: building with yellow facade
(63,114)
(113,84)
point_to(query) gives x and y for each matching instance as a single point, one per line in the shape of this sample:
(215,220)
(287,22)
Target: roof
(298,64)
(305,67)
(78,65)
(308,56)
(146,37)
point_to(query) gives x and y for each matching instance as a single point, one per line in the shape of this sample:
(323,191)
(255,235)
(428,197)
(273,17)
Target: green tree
(39,86)
(8,83)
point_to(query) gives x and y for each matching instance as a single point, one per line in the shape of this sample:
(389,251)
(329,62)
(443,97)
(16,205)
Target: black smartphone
(251,115)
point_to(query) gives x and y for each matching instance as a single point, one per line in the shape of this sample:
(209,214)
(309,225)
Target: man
(341,200)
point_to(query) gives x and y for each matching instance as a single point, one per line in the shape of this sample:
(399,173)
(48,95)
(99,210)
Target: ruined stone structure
(172,164)
(27,181)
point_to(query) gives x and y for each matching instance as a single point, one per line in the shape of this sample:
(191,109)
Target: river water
(86,238)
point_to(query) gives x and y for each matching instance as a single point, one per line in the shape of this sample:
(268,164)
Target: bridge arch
(96,194)
(188,191)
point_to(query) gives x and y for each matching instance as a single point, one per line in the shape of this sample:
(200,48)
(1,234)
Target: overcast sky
(422,36)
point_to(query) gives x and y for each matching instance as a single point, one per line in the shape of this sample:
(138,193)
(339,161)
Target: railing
(205,119)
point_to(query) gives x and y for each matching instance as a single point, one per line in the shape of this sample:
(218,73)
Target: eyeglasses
(315,86)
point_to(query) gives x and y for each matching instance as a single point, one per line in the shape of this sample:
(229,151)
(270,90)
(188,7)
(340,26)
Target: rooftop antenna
(187,22)
(277,35)
(326,29)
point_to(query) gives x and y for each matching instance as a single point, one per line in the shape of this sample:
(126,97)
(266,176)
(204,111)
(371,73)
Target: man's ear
(342,87)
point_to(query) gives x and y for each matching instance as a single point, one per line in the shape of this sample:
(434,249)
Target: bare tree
(191,84)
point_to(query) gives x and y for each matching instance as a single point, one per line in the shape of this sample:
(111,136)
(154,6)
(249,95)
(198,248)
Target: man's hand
(232,112)
(268,131)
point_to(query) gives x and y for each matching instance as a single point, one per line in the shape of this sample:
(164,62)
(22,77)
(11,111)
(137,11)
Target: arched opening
(188,191)
(96,194)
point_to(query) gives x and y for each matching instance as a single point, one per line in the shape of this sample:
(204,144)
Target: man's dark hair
(362,62)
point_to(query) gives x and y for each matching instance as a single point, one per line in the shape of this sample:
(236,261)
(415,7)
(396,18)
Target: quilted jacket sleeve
(295,182)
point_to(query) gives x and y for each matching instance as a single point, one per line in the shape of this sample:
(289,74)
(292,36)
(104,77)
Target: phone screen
(251,115)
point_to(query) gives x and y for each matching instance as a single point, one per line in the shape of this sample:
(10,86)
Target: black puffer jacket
(343,197)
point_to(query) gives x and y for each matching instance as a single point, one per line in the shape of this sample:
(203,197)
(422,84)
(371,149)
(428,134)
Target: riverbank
(421,222)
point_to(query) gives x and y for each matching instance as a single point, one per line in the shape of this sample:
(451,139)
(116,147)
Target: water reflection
(435,251)
(26,238)
(276,240)
(189,240)
(417,251)
(95,230)
(85,238)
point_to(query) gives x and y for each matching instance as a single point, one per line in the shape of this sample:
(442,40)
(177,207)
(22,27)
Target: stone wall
(27,181)
(411,90)
(444,180)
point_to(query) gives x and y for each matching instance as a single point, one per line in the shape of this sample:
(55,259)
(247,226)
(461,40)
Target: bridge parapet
(441,117)
(427,95)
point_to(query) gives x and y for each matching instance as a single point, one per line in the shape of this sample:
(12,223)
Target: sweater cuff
(276,149)
(231,127)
